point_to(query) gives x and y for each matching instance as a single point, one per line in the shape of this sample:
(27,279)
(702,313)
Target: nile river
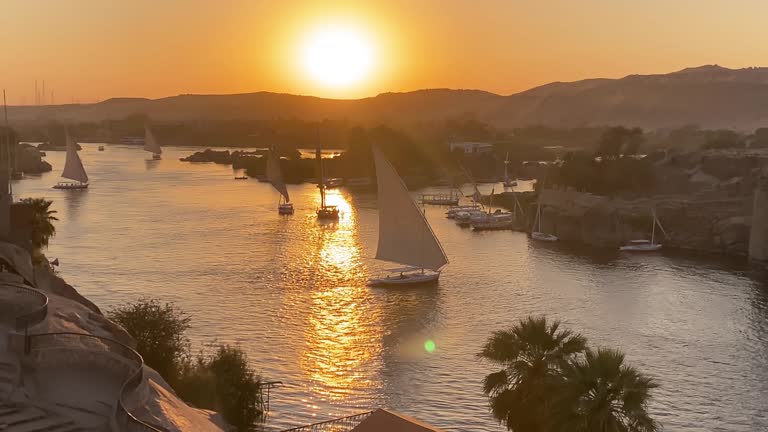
(292,293)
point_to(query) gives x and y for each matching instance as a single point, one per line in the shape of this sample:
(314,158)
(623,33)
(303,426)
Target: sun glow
(337,56)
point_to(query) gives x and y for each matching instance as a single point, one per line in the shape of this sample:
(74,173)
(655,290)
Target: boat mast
(8,144)
(319,157)
(506,169)
(653,230)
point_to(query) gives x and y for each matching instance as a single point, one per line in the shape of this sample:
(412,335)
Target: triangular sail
(73,166)
(150,143)
(320,174)
(275,175)
(405,236)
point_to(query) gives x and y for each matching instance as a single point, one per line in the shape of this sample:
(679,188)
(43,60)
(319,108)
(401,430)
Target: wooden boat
(275,177)
(405,236)
(73,169)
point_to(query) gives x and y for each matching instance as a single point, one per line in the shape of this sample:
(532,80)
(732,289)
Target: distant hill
(708,96)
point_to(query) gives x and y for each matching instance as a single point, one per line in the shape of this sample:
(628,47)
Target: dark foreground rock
(52,146)
(30,160)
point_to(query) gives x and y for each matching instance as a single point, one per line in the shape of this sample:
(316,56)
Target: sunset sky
(88,49)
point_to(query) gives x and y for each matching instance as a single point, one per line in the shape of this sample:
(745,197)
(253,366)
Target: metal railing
(29,319)
(43,343)
(343,424)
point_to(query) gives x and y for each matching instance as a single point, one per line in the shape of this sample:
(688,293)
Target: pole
(7,143)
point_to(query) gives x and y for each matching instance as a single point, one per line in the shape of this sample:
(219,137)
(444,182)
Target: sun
(337,56)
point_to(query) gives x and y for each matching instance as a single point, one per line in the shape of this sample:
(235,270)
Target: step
(20,417)
(49,424)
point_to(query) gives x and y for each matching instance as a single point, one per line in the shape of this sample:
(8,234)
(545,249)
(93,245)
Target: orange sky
(91,49)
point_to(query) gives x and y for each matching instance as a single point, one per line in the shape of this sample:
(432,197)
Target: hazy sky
(89,49)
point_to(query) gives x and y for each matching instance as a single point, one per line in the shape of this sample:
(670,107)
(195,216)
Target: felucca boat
(73,169)
(275,178)
(325,212)
(537,234)
(645,245)
(405,236)
(151,145)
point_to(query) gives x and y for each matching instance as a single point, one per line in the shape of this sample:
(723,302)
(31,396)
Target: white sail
(73,166)
(405,236)
(150,143)
(275,175)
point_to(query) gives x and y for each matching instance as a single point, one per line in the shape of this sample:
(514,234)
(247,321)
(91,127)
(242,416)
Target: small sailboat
(405,236)
(325,212)
(73,169)
(275,178)
(536,234)
(645,245)
(507,181)
(151,145)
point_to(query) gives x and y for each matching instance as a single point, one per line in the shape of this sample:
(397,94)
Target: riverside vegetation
(221,380)
(551,381)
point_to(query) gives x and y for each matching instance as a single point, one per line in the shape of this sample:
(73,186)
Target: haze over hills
(708,96)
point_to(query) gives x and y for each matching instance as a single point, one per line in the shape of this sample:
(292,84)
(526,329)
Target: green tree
(159,331)
(532,355)
(599,393)
(42,221)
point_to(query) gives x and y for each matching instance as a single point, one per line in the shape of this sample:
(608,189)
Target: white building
(469,147)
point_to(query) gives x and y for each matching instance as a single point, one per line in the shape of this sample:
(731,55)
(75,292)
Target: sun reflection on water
(340,329)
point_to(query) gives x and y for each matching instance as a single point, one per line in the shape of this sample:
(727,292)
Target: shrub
(224,383)
(159,331)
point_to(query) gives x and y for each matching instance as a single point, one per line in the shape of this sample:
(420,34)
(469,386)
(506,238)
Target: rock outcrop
(689,222)
(30,160)
(223,157)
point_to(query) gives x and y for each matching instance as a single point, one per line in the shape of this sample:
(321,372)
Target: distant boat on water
(275,177)
(73,169)
(151,145)
(325,212)
(405,236)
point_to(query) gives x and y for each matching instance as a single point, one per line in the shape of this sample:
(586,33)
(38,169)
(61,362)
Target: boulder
(30,160)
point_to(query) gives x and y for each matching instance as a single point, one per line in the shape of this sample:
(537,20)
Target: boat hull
(405,279)
(540,236)
(641,248)
(71,186)
(328,214)
(285,209)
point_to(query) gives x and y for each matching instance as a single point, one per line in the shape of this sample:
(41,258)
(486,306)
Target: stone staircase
(27,418)
(9,376)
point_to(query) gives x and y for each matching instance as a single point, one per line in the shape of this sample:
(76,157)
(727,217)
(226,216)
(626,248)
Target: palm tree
(599,393)
(42,221)
(532,355)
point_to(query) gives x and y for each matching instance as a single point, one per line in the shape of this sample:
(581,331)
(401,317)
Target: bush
(159,331)
(224,383)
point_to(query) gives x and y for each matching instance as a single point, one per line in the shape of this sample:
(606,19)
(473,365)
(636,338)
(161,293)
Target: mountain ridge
(710,96)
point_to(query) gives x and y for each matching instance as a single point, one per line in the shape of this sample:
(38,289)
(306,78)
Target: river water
(292,292)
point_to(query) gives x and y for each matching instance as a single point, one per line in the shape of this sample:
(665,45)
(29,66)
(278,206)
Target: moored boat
(642,245)
(537,234)
(325,212)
